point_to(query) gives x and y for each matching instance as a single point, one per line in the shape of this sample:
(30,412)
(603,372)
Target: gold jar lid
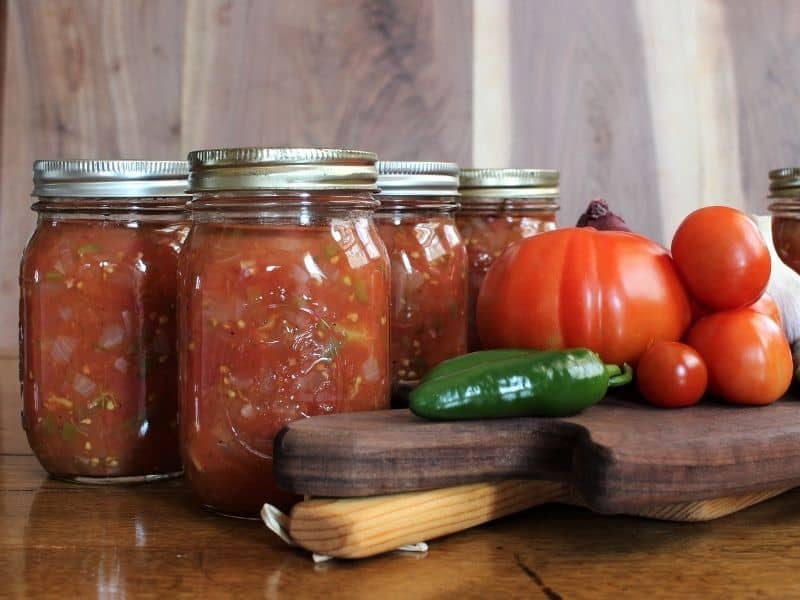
(296,169)
(508,183)
(84,178)
(784,183)
(417,178)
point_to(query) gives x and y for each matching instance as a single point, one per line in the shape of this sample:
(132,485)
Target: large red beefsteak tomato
(614,292)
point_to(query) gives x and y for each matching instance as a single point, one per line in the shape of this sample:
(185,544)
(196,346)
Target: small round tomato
(767,306)
(672,375)
(721,257)
(747,356)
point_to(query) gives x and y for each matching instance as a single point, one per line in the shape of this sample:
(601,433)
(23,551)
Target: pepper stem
(617,377)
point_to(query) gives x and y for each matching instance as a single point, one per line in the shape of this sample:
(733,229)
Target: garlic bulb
(784,284)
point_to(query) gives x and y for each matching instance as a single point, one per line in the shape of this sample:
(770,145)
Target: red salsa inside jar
(784,195)
(99,364)
(785,210)
(429,295)
(486,236)
(416,220)
(282,322)
(786,236)
(500,207)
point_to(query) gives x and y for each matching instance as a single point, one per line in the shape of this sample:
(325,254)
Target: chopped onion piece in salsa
(112,336)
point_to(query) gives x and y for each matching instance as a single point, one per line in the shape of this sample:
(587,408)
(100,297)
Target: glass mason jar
(499,207)
(416,220)
(784,191)
(98,294)
(286,311)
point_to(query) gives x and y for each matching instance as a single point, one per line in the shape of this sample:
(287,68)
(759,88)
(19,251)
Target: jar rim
(525,200)
(281,200)
(99,204)
(787,207)
(416,202)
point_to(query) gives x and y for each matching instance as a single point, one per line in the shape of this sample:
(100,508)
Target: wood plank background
(658,105)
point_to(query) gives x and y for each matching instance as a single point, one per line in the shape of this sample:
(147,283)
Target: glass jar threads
(499,207)
(98,286)
(784,191)
(285,312)
(416,220)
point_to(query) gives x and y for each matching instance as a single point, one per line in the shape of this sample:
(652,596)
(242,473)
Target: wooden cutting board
(620,455)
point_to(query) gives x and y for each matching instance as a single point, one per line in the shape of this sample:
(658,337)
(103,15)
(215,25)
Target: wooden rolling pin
(360,527)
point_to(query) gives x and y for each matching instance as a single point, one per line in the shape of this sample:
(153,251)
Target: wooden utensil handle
(359,527)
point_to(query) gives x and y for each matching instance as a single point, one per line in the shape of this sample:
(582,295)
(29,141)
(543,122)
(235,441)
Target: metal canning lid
(417,178)
(784,183)
(299,169)
(508,183)
(84,178)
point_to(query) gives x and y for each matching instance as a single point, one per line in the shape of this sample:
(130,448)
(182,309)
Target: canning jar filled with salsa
(286,312)
(98,296)
(784,191)
(499,207)
(416,220)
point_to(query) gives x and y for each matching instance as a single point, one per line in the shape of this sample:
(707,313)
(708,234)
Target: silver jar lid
(297,169)
(508,183)
(784,183)
(417,178)
(84,178)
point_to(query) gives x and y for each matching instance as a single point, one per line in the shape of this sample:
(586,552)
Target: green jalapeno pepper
(473,359)
(536,384)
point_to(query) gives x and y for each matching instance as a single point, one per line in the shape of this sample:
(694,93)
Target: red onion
(599,216)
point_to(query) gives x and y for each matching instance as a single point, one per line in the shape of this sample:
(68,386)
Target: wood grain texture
(670,55)
(492,124)
(152,541)
(707,510)
(85,79)
(385,75)
(692,95)
(361,527)
(621,456)
(12,436)
(580,105)
(763,38)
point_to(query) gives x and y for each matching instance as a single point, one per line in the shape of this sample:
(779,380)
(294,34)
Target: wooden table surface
(67,541)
